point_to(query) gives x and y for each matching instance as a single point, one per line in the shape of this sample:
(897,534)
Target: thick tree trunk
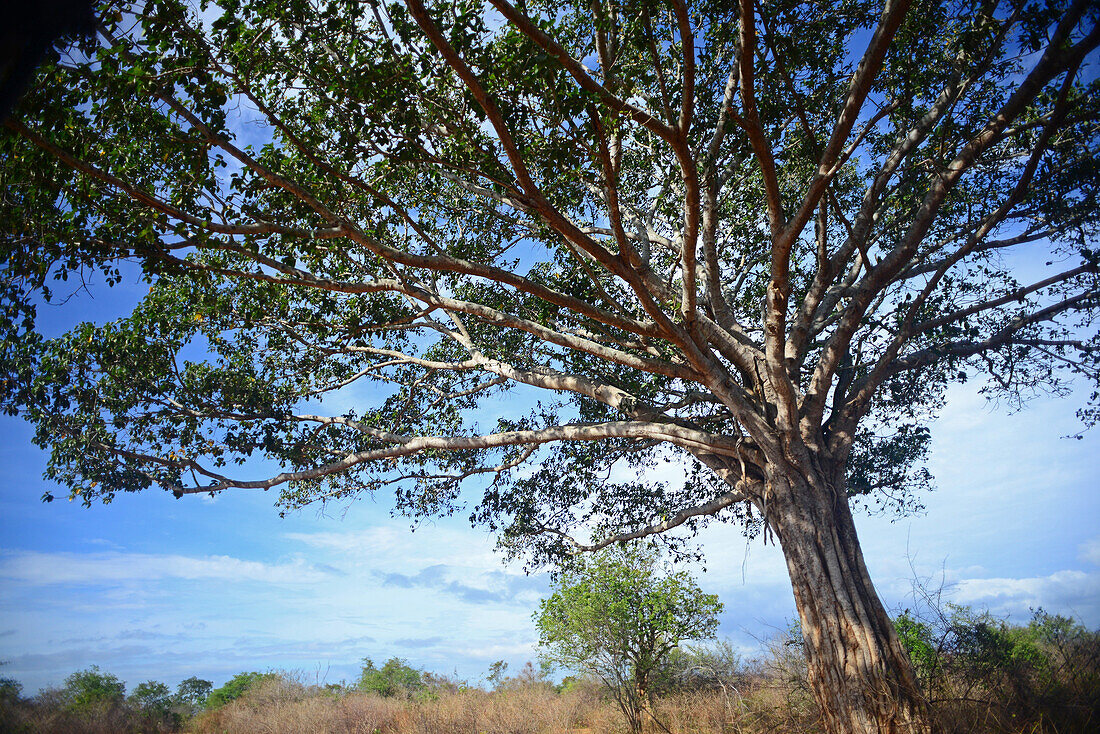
(858,670)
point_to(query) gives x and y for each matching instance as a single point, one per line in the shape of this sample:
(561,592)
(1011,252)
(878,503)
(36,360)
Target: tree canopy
(759,239)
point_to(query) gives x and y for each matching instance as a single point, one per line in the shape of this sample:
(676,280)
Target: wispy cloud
(37,568)
(418,642)
(497,587)
(1089,551)
(399,547)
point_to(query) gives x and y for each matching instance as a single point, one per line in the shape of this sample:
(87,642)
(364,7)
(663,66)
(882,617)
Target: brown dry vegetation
(528,710)
(768,700)
(981,676)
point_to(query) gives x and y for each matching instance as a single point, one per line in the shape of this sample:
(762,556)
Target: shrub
(11,691)
(396,678)
(236,687)
(916,638)
(90,689)
(11,704)
(152,702)
(715,665)
(528,677)
(977,668)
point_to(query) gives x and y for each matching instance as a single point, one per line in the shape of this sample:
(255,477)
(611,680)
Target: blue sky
(153,587)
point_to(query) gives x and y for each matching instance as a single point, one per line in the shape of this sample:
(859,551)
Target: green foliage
(496,676)
(192,693)
(10,691)
(152,696)
(384,149)
(153,702)
(915,637)
(92,689)
(1047,669)
(236,687)
(618,614)
(396,678)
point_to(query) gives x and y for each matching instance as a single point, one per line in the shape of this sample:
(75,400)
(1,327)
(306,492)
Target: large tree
(756,238)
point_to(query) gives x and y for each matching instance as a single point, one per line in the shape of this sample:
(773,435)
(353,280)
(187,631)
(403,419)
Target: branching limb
(713,507)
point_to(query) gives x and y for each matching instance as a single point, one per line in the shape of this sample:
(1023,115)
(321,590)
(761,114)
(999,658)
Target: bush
(396,678)
(153,703)
(11,704)
(11,691)
(528,677)
(236,687)
(90,689)
(975,667)
(707,666)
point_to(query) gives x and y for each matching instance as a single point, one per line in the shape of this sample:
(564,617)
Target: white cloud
(1074,592)
(396,547)
(37,568)
(1089,551)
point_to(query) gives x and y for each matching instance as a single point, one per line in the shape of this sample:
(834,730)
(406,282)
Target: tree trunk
(858,671)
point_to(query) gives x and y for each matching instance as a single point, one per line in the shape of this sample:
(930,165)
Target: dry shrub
(320,713)
(756,705)
(294,710)
(694,711)
(49,713)
(105,720)
(531,710)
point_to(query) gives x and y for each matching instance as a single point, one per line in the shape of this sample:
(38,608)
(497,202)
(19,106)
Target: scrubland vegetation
(978,673)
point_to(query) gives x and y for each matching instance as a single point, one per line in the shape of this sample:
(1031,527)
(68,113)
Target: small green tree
(191,694)
(154,703)
(617,615)
(395,678)
(151,695)
(497,674)
(91,689)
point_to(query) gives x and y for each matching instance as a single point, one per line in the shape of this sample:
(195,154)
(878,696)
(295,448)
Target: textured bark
(858,671)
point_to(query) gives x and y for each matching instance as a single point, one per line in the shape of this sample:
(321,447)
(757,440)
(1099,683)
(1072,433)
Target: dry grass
(533,710)
(530,710)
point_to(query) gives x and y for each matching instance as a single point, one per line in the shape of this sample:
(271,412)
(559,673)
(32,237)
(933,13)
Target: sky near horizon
(151,587)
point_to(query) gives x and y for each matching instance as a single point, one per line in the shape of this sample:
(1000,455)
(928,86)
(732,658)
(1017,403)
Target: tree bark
(859,673)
